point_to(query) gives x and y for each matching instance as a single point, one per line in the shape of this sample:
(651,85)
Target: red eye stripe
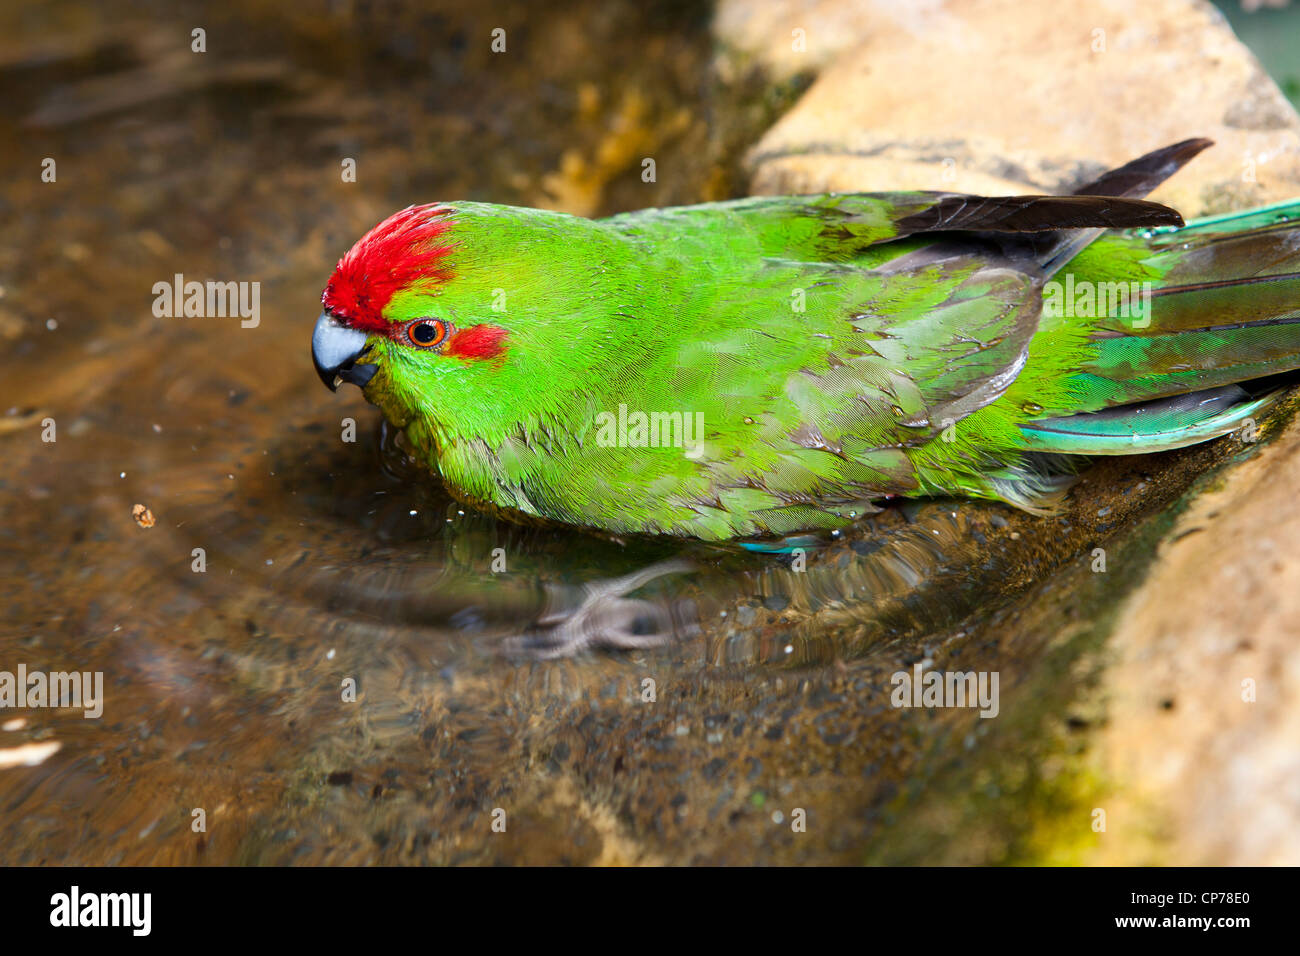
(478,342)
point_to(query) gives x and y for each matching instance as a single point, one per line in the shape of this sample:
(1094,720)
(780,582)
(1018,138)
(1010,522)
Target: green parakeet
(772,366)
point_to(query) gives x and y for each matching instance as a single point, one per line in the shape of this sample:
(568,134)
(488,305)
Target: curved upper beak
(334,351)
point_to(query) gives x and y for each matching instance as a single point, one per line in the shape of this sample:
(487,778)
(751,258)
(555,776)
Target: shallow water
(327,561)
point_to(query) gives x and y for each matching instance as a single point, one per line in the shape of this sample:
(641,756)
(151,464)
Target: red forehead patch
(405,248)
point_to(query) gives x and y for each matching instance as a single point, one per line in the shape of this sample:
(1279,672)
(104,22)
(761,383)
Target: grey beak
(334,350)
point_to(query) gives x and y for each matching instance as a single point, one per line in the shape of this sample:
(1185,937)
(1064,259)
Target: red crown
(399,252)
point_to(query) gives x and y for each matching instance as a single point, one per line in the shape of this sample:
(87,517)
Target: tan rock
(1004,96)
(1203,773)
(788,37)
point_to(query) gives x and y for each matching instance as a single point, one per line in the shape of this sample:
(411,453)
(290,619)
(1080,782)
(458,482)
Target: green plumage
(837,349)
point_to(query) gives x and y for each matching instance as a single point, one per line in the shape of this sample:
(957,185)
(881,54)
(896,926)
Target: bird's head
(471,318)
(387,306)
(416,314)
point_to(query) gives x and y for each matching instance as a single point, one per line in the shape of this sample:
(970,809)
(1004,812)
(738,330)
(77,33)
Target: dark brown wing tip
(1171,158)
(1118,212)
(1113,212)
(1137,178)
(1148,213)
(1011,214)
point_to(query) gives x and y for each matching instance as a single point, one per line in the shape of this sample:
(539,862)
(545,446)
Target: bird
(761,368)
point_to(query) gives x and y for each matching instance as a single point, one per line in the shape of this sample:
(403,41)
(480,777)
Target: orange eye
(426,333)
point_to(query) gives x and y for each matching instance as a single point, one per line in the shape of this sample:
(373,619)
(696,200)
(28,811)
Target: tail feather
(1229,270)
(1159,425)
(1223,307)
(1225,304)
(1217,319)
(1138,368)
